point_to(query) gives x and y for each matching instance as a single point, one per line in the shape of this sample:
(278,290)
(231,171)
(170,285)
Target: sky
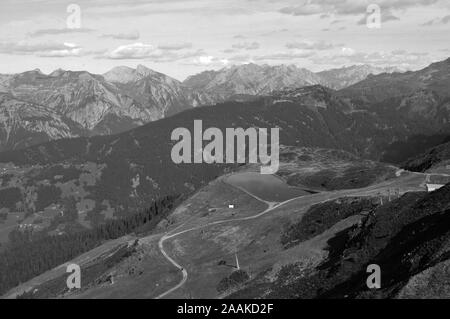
(185,37)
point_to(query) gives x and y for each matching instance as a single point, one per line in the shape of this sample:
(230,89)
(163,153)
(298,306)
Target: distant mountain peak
(250,79)
(125,74)
(57,72)
(33,72)
(144,71)
(348,75)
(378,87)
(440,64)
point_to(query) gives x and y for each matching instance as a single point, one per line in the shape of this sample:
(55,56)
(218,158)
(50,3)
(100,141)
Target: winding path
(326,196)
(271,207)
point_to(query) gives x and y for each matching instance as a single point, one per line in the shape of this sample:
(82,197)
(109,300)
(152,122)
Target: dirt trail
(271,206)
(404,182)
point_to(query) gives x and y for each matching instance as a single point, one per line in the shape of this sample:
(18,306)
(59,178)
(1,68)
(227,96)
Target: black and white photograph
(246,151)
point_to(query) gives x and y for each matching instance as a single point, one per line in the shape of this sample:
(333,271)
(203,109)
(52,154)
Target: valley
(37,107)
(236,233)
(191,254)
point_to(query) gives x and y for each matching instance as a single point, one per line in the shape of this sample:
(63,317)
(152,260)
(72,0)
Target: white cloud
(132,51)
(166,25)
(396,58)
(62,53)
(348,51)
(349,7)
(385,17)
(70,44)
(175,46)
(40,49)
(443,20)
(310,45)
(246,46)
(285,55)
(151,52)
(43,32)
(205,60)
(72,49)
(132,35)
(209,61)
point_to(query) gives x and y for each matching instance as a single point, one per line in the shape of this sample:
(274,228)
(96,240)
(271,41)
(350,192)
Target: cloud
(133,51)
(157,7)
(246,46)
(218,62)
(132,35)
(399,58)
(283,55)
(347,52)
(274,32)
(69,52)
(41,49)
(147,51)
(443,20)
(349,7)
(302,10)
(241,59)
(212,61)
(228,51)
(310,45)
(208,61)
(385,17)
(175,47)
(43,32)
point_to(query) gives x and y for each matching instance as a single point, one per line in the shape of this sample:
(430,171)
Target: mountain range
(254,79)
(89,104)
(112,175)
(421,98)
(72,104)
(331,144)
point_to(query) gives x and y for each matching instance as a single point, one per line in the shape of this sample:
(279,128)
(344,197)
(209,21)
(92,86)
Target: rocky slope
(344,77)
(314,246)
(250,79)
(112,175)
(208,205)
(122,99)
(419,101)
(408,238)
(435,78)
(436,159)
(24,123)
(161,93)
(253,79)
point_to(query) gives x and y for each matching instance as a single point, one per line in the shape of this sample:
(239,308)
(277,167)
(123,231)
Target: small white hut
(433,187)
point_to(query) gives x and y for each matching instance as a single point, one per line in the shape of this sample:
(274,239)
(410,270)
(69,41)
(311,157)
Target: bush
(322,216)
(235,279)
(9,197)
